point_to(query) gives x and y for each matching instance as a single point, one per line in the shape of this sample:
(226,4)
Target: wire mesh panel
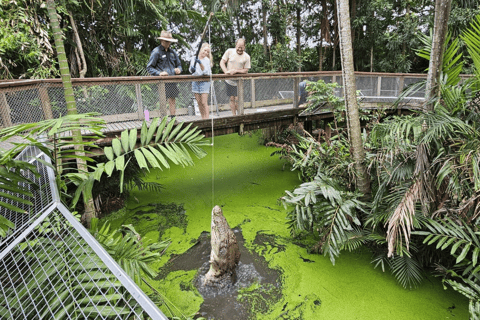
(54,274)
(421,92)
(52,268)
(367,85)
(138,98)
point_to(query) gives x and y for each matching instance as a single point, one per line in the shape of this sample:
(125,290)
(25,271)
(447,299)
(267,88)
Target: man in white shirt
(235,60)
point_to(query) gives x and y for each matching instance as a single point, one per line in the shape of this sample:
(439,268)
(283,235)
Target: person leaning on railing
(235,61)
(164,61)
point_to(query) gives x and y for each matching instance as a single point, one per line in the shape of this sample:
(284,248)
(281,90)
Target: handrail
(127,98)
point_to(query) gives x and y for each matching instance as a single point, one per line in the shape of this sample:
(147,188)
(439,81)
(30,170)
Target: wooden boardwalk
(223,122)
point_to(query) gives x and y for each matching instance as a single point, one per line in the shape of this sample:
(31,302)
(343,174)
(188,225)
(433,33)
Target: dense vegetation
(115,38)
(424,171)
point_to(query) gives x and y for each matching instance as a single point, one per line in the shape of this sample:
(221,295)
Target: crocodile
(225,253)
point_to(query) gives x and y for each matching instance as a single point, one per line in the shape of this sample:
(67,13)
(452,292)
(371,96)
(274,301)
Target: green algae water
(247,183)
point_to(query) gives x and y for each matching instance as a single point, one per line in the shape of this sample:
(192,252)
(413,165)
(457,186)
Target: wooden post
(328,132)
(296,82)
(240,97)
(138,93)
(5,111)
(400,85)
(308,126)
(252,89)
(379,86)
(46,105)
(163,98)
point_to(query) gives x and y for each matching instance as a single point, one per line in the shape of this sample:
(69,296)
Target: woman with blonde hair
(202,66)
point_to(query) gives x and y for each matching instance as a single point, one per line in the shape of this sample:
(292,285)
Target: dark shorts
(171,90)
(231,90)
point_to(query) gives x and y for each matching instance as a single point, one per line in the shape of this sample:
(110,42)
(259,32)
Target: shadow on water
(255,289)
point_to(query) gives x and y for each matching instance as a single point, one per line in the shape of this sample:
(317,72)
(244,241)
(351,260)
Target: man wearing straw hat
(164,61)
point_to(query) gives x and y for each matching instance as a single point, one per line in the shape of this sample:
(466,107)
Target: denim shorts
(201,86)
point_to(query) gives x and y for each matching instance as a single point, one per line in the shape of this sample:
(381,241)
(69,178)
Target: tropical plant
(160,143)
(126,246)
(324,207)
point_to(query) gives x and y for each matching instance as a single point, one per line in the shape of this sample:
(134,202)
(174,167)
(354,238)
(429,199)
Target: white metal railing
(51,267)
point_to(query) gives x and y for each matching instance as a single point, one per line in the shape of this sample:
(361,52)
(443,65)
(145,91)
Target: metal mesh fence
(134,99)
(52,268)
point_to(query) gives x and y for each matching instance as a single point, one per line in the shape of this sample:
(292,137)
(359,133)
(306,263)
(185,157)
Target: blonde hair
(205,44)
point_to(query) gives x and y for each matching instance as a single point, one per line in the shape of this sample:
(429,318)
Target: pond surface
(247,183)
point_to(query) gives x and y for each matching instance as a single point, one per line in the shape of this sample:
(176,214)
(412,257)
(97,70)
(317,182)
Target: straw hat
(167,36)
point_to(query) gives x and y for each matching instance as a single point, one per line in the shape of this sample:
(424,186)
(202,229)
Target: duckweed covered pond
(247,184)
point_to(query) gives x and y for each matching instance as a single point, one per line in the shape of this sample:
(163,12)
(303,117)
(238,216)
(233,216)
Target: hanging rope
(210,113)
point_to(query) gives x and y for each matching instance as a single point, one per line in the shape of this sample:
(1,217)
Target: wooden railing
(126,98)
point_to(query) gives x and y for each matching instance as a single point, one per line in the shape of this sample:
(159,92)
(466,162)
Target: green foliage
(323,207)
(5,226)
(160,142)
(321,93)
(125,245)
(25,47)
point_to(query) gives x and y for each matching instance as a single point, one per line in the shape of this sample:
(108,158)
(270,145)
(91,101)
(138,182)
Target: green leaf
(108,152)
(132,138)
(117,147)
(150,158)
(143,133)
(140,159)
(464,253)
(151,130)
(160,157)
(124,140)
(160,130)
(120,163)
(476,251)
(109,166)
(456,245)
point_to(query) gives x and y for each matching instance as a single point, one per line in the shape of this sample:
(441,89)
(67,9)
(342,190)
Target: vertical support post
(138,94)
(45,100)
(400,85)
(240,97)
(163,98)
(379,86)
(5,111)
(296,82)
(328,131)
(252,89)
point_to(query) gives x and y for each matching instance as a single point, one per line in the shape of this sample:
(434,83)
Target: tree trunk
(82,63)
(320,57)
(264,18)
(440,28)
(299,21)
(350,94)
(371,59)
(70,100)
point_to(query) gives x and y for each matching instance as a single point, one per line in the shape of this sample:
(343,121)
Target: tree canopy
(115,38)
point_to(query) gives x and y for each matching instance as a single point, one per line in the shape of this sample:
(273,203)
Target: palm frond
(406,270)
(163,141)
(463,242)
(321,204)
